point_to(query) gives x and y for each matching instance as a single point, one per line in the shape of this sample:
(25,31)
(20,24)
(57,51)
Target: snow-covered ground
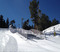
(14,40)
(50,30)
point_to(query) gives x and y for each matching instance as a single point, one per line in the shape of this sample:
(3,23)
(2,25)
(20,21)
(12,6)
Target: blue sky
(16,9)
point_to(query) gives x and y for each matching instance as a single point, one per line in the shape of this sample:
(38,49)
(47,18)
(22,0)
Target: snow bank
(50,30)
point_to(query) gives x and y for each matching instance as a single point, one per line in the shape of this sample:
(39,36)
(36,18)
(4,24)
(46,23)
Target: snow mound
(50,30)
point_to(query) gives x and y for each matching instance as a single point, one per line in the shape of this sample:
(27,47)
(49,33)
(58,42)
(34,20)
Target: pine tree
(7,23)
(25,24)
(54,22)
(34,7)
(13,24)
(2,22)
(45,22)
(1,19)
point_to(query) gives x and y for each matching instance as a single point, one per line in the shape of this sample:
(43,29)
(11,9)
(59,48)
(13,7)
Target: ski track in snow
(42,45)
(29,44)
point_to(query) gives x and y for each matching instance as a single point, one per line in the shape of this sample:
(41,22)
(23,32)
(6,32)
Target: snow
(50,30)
(15,40)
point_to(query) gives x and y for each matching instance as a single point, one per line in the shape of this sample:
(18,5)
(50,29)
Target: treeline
(5,24)
(43,24)
(40,21)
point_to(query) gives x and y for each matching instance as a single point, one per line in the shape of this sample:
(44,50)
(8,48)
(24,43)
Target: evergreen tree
(54,22)
(45,22)
(7,23)
(2,22)
(1,19)
(25,24)
(34,7)
(13,24)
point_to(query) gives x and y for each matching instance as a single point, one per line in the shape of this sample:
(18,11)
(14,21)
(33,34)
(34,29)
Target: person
(54,32)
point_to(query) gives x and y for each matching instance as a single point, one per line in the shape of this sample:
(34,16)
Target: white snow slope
(15,42)
(51,29)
